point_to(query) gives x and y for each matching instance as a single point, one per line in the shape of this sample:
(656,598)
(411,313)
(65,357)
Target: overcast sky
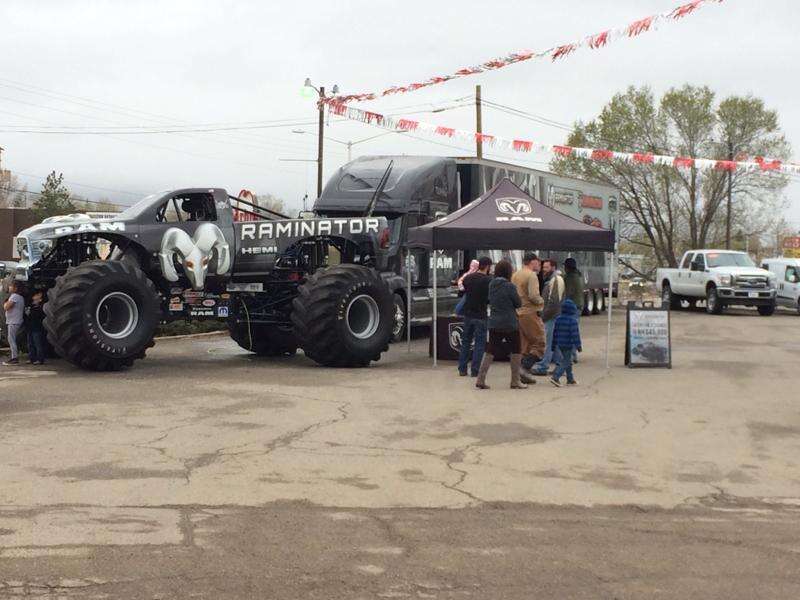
(193,61)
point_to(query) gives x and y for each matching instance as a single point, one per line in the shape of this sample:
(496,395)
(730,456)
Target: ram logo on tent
(518,209)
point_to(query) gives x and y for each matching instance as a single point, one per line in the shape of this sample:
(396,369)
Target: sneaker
(462,373)
(555,382)
(573,382)
(11,362)
(475,374)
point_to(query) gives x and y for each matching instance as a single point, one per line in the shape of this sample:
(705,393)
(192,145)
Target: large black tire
(714,305)
(668,299)
(102,315)
(766,311)
(264,340)
(343,316)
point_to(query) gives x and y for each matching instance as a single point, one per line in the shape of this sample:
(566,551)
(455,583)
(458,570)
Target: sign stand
(648,341)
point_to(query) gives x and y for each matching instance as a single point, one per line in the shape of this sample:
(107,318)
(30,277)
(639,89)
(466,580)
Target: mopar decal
(308,228)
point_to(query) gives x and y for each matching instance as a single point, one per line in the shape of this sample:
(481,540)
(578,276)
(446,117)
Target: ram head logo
(194,253)
(515,207)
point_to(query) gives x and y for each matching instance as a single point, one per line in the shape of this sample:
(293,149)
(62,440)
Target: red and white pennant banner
(598,40)
(527,146)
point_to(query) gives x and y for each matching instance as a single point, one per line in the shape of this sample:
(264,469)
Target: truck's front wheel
(343,316)
(102,315)
(668,299)
(713,303)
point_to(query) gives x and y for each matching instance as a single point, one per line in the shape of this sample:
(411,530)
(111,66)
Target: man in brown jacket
(531,328)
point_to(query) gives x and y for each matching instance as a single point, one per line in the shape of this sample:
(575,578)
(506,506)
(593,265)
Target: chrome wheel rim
(399,318)
(362,317)
(117,315)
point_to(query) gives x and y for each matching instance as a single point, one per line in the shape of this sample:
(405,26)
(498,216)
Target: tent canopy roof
(506,218)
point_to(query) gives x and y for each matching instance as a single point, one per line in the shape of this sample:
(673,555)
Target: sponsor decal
(201,312)
(194,253)
(593,221)
(299,228)
(209,302)
(443,262)
(176,291)
(591,202)
(191,294)
(516,209)
(222,311)
(245,287)
(225,296)
(176,306)
(90,227)
(259,250)
(561,195)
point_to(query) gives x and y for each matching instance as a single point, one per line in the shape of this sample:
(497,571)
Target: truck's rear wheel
(399,326)
(102,315)
(264,340)
(668,299)
(588,302)
(343,316)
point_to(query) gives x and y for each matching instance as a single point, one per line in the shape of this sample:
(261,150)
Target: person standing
(34,325)
(476,299)
(567,338)
(503,327)
(552,295)
(531,328)
(573,289)
(14,307)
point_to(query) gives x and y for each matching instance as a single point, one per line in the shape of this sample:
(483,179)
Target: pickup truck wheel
(668,299)
(766,311)
(102,315)
(399,327)
(343,316)
(586,308)
(713,304)
(263,340)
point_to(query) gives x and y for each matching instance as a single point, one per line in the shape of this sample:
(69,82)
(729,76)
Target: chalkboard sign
(647,337)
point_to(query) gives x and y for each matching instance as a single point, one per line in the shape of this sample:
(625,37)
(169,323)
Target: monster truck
(280,283)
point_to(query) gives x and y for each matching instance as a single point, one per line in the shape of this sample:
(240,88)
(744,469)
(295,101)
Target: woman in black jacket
(503,327)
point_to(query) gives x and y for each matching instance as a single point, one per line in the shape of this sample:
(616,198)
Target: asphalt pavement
(206,472)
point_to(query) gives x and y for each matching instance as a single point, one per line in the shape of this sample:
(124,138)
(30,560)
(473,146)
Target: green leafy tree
(54,198)
(665,210)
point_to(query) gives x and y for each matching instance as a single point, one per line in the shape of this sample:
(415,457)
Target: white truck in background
(787,273)
(720,278)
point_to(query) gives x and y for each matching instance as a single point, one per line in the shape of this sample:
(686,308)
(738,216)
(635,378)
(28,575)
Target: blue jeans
(550,354)
(473,329)
(574,348)
(36,346)
(565,363)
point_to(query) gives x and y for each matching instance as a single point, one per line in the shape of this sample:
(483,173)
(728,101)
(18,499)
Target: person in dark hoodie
(503,328)
(567,338)
(34,324)
(573,289)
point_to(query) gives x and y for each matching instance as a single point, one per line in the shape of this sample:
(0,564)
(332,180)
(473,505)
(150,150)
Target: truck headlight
(725,280)
(772,281)
(44,246)
(22,249)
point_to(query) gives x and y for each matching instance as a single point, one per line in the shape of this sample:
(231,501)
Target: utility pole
(319,142)
(478,122)
(730,193)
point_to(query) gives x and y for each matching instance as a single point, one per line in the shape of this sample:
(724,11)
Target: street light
(351,143)
(321,107)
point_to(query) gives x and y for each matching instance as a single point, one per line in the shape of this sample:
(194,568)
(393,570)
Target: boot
(516,367)
(486,362)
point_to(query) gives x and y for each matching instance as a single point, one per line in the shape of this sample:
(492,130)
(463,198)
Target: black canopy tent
(506,218)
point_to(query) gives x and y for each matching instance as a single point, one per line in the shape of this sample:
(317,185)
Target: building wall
(12,221)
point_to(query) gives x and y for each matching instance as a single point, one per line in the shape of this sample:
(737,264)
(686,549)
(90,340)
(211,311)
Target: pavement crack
(457,456)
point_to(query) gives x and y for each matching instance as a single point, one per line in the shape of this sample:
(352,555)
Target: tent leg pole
(435,303)
(409,300)
(610,305)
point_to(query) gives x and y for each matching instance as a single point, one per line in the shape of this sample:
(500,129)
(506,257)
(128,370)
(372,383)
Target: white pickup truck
(721,278)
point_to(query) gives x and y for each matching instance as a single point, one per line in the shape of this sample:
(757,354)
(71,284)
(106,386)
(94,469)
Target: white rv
(787,273)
